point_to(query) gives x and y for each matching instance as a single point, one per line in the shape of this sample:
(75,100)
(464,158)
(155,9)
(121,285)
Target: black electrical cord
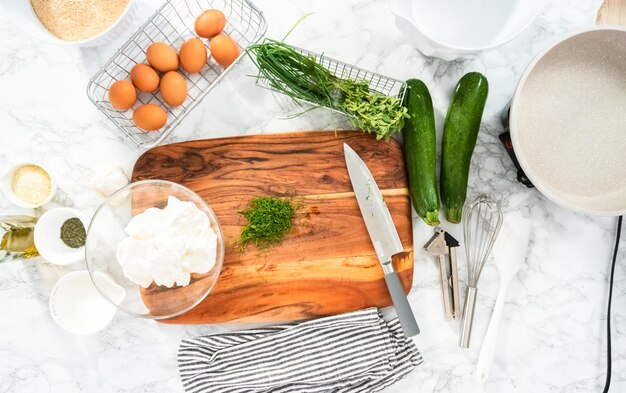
(607,384)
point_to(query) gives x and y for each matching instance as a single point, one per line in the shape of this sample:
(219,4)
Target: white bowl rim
(55,317)
(8,191)
(503,41)
(73,256)
(532,176)
(59,41)
(218,263)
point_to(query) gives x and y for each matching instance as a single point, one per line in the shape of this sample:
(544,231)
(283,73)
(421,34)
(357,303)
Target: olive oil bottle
(17,234)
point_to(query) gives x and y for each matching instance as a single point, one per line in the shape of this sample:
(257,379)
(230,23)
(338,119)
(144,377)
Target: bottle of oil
(17,234)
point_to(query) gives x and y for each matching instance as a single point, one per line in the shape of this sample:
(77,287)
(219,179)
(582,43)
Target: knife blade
(382,232)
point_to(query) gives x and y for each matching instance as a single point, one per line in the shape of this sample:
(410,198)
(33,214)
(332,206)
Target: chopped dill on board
(269,221)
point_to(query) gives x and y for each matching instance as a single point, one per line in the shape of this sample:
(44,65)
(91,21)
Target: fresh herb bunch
(300,76)
(269,220)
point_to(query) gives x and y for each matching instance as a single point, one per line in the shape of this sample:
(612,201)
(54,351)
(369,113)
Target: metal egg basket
(173,23)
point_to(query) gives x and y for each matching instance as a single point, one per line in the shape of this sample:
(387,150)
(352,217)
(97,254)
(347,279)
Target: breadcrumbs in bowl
(77,20)
(78,23)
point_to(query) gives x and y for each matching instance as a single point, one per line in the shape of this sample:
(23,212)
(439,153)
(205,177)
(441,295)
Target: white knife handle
(488,349)
(400,302)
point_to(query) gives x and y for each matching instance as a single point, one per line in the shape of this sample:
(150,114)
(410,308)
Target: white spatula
(509,253)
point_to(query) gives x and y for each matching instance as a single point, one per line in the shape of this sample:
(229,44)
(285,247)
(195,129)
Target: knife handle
(400,302)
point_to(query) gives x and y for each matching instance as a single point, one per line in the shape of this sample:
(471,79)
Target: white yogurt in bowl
(166,246)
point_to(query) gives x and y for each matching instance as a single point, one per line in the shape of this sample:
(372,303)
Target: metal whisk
(482,220)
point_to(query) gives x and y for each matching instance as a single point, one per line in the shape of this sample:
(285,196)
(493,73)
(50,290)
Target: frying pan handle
(505,138)
(400,302)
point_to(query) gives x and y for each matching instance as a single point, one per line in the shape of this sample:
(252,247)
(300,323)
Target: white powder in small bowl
(31,184)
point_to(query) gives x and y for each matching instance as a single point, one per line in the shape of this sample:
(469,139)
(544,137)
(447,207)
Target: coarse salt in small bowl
(107,231)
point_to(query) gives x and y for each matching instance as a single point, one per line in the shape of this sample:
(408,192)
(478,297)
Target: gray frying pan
(568,121)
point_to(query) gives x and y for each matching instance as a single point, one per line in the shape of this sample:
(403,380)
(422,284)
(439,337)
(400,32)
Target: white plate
(568,122)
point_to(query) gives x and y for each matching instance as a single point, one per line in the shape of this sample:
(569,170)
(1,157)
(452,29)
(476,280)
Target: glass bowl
(106,231)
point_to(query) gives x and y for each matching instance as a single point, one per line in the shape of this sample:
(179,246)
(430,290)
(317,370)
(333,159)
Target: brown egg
(150,117)
(144,78)
(162,57)
(224,50)
(193,55)
(173,88)
(122,95)
(210,23)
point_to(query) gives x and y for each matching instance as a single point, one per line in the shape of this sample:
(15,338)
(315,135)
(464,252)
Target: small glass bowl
(106,231)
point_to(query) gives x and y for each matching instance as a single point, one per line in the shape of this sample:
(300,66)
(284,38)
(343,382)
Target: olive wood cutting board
(327,264)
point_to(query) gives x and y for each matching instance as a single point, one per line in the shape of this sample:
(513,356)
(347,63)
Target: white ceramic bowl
(567,122)
(7,188)
(78,307)
(450,29)
(23,16)
(48,236)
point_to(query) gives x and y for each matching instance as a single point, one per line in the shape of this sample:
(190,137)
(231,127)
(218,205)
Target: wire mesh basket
(378,83)
(173,23)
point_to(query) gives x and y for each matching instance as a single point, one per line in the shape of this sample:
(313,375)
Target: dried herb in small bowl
(73,233)
(269,221)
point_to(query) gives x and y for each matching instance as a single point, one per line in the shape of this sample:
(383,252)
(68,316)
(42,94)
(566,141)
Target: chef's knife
(383,233)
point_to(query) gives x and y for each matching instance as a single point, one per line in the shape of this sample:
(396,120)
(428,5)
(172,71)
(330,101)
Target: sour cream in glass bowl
(159,241)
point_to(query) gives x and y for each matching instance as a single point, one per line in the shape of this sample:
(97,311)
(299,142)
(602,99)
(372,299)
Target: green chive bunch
(300,76)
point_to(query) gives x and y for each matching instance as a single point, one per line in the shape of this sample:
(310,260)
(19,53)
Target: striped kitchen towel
(354,352)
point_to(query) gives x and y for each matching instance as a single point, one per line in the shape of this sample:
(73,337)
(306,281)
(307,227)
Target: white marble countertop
(553,336)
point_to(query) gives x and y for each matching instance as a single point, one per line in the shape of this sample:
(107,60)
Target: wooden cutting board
(327,264)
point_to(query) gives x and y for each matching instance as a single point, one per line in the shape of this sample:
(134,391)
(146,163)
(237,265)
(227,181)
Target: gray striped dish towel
(354,352)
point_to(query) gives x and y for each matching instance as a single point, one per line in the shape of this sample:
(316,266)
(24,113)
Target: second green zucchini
(460,132)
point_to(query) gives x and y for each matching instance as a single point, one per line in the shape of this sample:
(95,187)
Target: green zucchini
(420,151)
(460,132)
